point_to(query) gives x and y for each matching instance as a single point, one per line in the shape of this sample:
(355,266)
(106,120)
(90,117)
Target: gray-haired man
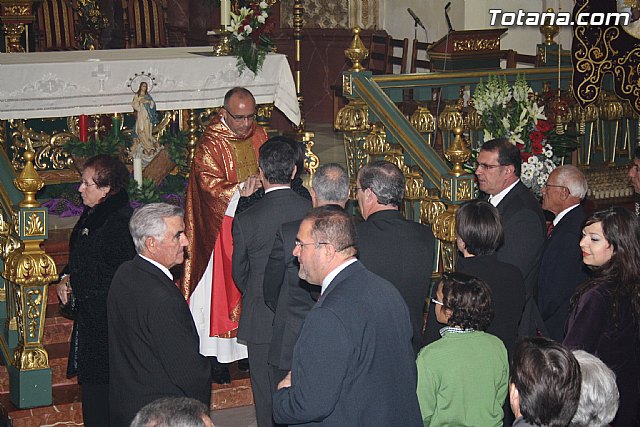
(153,342)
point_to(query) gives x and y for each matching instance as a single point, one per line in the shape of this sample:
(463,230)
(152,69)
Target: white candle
(137,171)
(225,13)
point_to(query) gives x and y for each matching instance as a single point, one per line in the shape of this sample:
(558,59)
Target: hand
(286,382)
(250,186)
(64,289)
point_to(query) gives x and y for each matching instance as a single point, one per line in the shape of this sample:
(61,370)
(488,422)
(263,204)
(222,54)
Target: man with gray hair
(173,412)
(153,342)
(561,268)
(599,396)
(390,246)
(286,294)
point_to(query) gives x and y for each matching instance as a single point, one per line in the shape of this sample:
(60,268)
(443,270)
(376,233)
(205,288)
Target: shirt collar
(558,217)
(454,330)
(282,187)
(164,269)
(495,200)
(332,275)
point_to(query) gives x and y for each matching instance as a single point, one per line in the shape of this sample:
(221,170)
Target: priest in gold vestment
(225,160)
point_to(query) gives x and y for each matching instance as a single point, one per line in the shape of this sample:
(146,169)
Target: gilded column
(29,270)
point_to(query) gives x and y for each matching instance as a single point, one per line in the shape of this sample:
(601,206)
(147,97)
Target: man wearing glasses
(225,161)
(561,268)
(360,326)
(498,174)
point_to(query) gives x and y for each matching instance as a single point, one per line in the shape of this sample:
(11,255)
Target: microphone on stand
(446,14)
(415,18)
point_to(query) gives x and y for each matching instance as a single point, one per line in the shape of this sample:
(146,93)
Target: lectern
(467,50)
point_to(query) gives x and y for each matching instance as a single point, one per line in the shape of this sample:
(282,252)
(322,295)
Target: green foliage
(108,144)
(250,54)
(176,146)
(147,193)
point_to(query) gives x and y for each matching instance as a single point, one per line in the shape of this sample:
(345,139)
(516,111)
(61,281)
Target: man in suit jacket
(498,174)
(254,231)
(360,326)
(153,342)
(561,269)
(395,249)
(286,294)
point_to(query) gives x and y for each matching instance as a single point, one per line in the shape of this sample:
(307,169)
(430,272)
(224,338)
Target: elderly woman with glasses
(99,243)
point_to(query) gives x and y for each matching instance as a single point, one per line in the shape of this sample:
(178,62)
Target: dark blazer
(524,236)
(153,343)
(507,290)
(287,295)
(254,231)
(561,271)
(400,251)
(353,364)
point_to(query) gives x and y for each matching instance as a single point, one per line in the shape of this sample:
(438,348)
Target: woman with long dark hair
(605,311)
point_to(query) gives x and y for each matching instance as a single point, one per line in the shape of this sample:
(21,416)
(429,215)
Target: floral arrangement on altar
(514,113)
(250,28)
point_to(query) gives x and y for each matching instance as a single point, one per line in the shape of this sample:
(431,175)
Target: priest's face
(239,114)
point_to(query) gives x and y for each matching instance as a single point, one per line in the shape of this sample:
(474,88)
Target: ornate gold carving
(450,118)
(429,209)
(356,157)
(353,117)
(311,160)
(347,84)
(376,142)
(446,188)
(29,182)
(13,34)
(464,190)
(474,45)
(264,115)
(549,31)
(356,53)
(423,120)
(611,108)
(34,225)
(34,302)
(48,148)
(414,186)
(457,153)
(444,226)
(27,359)
(449,254)
(17,10)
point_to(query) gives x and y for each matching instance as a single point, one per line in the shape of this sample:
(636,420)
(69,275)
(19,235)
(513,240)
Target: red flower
(536,148)
(536,137)
(544,126)
(524,156)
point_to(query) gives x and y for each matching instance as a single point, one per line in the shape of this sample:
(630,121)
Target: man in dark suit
(254,231)
(359,327)
(395,249)
(286,294)
(153,342)
(561,269)
(498,174)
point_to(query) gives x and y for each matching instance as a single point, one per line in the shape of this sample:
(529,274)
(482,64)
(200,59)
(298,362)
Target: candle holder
(222,41)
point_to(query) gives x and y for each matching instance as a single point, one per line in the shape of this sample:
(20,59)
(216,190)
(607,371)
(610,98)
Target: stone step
(67,408)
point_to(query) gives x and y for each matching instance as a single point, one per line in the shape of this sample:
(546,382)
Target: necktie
(549,229)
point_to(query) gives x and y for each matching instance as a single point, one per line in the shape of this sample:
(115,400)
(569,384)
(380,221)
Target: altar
(60,84)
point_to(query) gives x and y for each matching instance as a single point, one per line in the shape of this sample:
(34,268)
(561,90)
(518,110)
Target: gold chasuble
(221,162)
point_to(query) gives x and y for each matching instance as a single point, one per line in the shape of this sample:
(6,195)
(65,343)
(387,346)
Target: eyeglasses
(435,301)
(301,245)
(239,118)
(552,185)
(87,184)
(485,166)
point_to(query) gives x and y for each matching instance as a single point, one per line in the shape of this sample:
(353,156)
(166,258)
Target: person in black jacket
(99,243)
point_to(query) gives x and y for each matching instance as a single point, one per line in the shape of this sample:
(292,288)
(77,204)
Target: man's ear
(293,174)
(514,399)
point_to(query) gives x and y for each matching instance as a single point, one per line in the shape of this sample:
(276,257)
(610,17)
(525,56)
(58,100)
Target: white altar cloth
(60,84)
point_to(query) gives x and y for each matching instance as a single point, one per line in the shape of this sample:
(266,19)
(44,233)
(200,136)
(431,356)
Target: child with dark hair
(463,377)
